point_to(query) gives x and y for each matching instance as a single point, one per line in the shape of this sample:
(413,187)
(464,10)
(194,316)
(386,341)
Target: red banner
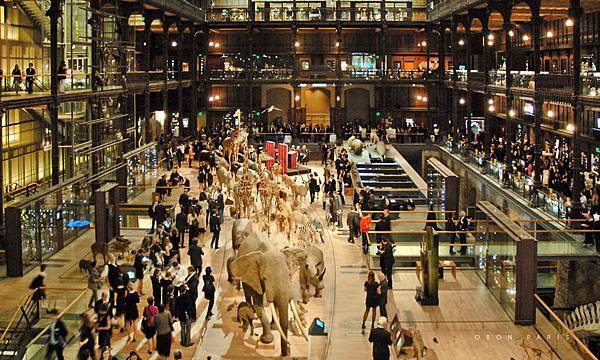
(282,157)
(270,149)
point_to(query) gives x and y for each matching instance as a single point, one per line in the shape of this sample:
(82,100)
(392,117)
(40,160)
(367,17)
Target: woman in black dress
(120,304)
(165,282)
(132,299)
(372,301)
(139,266)
(104,327)
(202,177)
(86,336)
(156,279)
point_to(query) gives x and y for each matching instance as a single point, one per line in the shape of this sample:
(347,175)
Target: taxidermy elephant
(265,271)
(312,271)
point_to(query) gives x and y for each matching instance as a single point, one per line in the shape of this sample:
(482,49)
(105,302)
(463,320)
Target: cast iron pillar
(488,115)
(165,90)
(453,46)
(469,132)
(180,31)
(54,13)
(443,125)
(536,26)
(147,37)
(575,15)
(193,125)
(509,97)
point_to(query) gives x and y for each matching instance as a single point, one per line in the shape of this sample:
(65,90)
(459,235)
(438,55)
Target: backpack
(37,282)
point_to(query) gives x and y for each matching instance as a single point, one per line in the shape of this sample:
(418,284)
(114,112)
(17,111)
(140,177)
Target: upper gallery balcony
(440,9)
(285,12)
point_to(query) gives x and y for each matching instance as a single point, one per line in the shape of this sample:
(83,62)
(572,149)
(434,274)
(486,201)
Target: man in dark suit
(463,225)
(185,312)
(384,224)
(192,281)
(161,186)
(30,72)
(381,340)
(195,252)
(386,260)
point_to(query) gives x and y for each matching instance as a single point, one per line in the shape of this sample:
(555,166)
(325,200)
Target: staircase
(36,10)
(15,334)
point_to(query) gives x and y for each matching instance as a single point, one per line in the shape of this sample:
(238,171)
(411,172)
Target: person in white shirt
(178,275)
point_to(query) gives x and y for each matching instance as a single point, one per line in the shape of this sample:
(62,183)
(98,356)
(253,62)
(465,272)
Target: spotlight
(570,128)
(511,33)
(424,43)
(419,98)
(462,101)
(297,97)
(525,37)
(491,37)
(491,108)
(550,113)
(217,97)
(211,44)
(337,98)
(174,44)
(512,113)
(491,101)
(337,44)
(297,44)
(569,22)
(549,34)
(211,98)
(424,98)
(461,42)
(490,43)
(217,45)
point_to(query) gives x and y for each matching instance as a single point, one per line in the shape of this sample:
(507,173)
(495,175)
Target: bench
(442,264)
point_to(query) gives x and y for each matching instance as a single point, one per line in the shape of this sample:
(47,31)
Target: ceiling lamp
(297,44)
(512,113)
(211,98)
(174,44)
(491,101)
(490,36)
(461,42)
(491,108)
(570,128)
(525,37)
(337,44)
(569,22)
(511,33)
(549,34)
(550,113)
(462,101)
(211,44)
(419,98)
(217,97)
(424,98)
(297,97)
(217,45)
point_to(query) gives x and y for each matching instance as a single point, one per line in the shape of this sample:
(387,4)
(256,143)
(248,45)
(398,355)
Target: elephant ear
(248,268)
(294,257)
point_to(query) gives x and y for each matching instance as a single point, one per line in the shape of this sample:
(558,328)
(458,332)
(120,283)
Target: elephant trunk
(280,317)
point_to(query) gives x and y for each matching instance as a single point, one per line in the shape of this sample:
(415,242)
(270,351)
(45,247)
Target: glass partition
(142,171)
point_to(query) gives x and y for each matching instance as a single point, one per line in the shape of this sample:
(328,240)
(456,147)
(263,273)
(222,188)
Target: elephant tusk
(277,324)
(297,318)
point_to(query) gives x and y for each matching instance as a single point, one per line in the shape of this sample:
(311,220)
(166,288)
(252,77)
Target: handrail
(580,345)
(23,300)
(61,314)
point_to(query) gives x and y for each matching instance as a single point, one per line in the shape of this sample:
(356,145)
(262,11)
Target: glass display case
(45,223)
(442,186)
(142,170)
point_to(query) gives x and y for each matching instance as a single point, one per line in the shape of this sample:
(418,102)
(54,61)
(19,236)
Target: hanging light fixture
(525,37)
(461,42)
(511,33)
(512,113)
(462,101)
(549,34)
(571,128)
(550,113)
(297,44)
(569,22)
(492,108)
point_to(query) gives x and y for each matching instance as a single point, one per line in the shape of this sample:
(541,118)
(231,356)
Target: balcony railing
(554,81)
(316,14)
(444,8)
(524,80)
(497,77)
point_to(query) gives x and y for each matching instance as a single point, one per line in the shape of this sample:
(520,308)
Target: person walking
(140,267)
(193,224)
(56,339)
(451,227)
(94,283)
(185,312)
(313,187)
(381,340)
(39,284)
(30,72)
(104,326)
(209,290)
(195,252)
(386,260)
(132,299)
(383,289)
(372,291)
(17,78)
(181,225)
(87,340)
(365,225)
(463,227)
(148,327)
(384,224)
(192,281)
(163,322)
(61,75)
(215,228)
(353,221)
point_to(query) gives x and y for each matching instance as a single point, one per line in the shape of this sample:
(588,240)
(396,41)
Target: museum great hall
(229,179)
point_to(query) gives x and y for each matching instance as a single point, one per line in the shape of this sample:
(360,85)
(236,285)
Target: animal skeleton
(585,320)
